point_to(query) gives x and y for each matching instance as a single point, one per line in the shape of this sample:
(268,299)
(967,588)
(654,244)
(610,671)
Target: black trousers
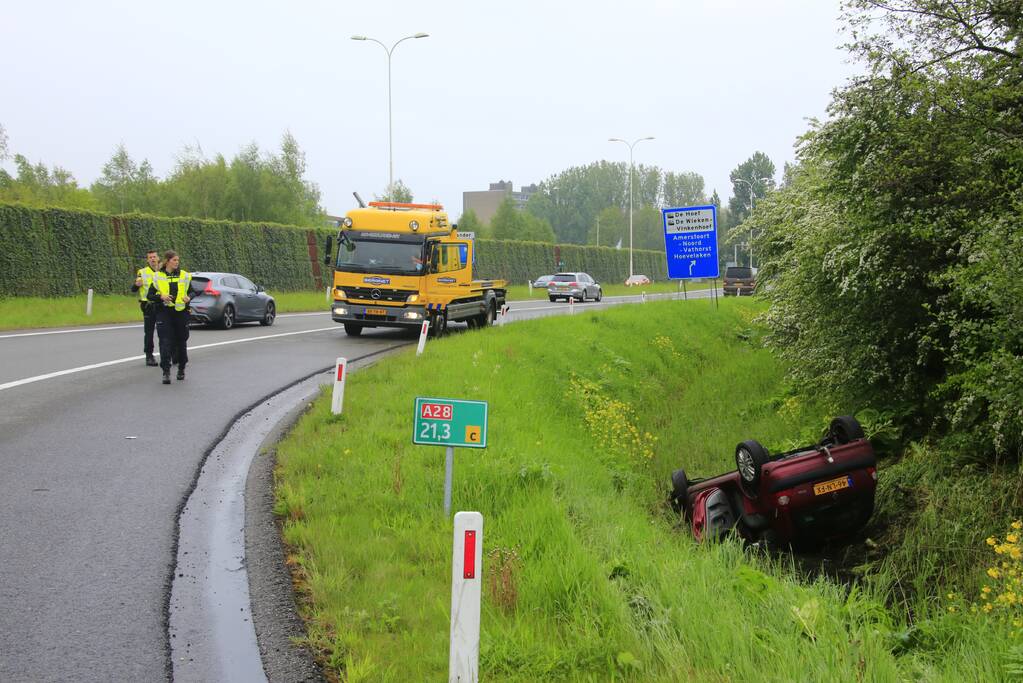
(149,324)
(172,328)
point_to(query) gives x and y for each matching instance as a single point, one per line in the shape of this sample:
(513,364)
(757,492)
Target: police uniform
(172,318)
(149,310)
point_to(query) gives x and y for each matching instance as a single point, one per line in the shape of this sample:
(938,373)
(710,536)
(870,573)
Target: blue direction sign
(691,242)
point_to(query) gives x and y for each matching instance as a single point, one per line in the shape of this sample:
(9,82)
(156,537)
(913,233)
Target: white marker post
(422,337)
(466,593)
(504,314)
(644,297)
(88,303)
(338,397)
(571,305)
(530,283)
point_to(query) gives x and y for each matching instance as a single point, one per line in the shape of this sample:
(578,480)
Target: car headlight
(340,310)
(339,293)
(412,315)
(412,298)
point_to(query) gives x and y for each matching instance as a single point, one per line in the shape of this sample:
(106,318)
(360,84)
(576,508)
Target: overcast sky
(516,90)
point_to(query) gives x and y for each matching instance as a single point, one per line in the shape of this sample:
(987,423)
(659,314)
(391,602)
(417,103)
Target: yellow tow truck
(397,264)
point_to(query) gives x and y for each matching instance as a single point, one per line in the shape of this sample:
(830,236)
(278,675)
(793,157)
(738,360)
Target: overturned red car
(804,496)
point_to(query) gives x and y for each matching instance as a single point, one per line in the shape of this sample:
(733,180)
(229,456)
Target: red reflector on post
(469,556)
(340,372)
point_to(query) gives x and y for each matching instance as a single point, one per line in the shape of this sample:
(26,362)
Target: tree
(893,247)
(398,192)
(4,151)
(125,186)
(470,222)
(509,223)
(683,189)
(37,184)
(754,171)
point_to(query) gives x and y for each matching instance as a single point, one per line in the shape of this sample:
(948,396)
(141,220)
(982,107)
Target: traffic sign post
(449,422)
(466,595)
(691,242)
(340,375)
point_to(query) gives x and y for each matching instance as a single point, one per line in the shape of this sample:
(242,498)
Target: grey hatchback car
(224,299)
(578,286)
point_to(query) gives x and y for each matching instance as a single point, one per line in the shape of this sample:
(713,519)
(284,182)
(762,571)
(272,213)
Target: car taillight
(873,472)
(783,500)
(209,289)
(573,284)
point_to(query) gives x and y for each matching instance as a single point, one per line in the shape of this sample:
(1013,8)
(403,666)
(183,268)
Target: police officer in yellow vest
(170,291)
(143,281)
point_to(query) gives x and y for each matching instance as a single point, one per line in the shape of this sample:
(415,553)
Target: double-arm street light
(750,185)
(630,146)
(390,134)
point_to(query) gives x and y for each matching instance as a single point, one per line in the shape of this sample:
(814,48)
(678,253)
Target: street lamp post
(390,127)
(750,185)
(630,146)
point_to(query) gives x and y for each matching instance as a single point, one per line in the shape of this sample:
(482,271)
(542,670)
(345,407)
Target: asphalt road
(98,458)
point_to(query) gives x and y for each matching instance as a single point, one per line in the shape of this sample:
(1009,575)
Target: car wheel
(844,429)
(353,330)
(227,321)
(679,497)
(600,295)
(553,299)
(269,315)
(750,457)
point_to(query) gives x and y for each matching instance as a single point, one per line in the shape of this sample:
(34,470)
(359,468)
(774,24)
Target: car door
(588,285)
(252,306)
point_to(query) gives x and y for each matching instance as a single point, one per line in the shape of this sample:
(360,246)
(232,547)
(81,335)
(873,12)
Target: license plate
(376,311)
(833,485)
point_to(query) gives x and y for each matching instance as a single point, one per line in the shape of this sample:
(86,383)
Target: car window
(564,277)
(739,272)
(246,283)
(228,281)
(199,283)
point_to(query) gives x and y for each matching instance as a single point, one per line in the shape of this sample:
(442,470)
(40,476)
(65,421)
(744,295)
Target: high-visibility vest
(146,274)
(162,281)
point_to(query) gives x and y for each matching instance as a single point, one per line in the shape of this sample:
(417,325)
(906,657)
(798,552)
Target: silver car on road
(578,286)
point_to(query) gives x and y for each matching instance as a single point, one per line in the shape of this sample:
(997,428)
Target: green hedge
(58,252)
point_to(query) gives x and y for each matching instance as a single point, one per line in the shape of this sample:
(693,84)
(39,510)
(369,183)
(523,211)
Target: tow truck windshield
(401,256)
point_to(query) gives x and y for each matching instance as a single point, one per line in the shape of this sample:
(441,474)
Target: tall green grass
(587,574)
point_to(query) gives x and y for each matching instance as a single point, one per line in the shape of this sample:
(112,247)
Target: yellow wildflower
(1012,538)
(991,540)
(1017,525)
(985,589)
(993,573)
(988,607)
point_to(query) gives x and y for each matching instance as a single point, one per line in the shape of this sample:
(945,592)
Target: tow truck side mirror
(327,250)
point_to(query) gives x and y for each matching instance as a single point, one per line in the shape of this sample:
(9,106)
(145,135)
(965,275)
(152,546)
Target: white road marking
(82,329)
(94,366)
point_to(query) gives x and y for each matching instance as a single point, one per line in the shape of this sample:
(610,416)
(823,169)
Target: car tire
(582,296)
(600,295)
(269,315)
(228,319)
(679,497)
(553,299)
(353,330)
(750,457)
(845,428)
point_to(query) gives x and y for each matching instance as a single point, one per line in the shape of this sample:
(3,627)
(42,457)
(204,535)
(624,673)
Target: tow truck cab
(397,264)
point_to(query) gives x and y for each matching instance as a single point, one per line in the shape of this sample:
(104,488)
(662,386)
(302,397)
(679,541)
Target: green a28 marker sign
(450,422)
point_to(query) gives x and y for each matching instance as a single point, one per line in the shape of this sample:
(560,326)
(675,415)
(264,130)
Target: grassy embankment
(32,312)
(587,575)
(23,312)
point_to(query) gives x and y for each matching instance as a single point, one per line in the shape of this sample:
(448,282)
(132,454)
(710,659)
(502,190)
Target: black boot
(166,376)
(181,372)
(150,361)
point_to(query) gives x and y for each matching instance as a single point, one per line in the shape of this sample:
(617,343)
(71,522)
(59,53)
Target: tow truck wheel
(353,330)
(750,457)
(439,324)
(487,319)
(845,428)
